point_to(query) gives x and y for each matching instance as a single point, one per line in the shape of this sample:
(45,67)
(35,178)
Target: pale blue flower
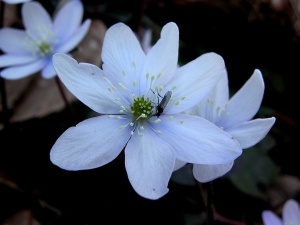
(290,215)
(233,116)
(29,51)
(15,1)
(126,90)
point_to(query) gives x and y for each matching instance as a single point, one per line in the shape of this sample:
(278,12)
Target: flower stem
(2,81)
(69,108)
(210,212)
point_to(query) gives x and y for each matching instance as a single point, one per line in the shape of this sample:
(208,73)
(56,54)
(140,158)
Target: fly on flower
(163,103)
(122,93)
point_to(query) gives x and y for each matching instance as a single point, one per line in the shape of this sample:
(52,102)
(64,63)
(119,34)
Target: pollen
(140,108)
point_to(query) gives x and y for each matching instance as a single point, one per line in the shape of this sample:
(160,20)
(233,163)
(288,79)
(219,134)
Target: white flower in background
(15,1)
(29,51)
(290,215)
(126,90)
(233,116)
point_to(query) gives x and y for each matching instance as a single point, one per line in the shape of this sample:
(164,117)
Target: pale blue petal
(291,212)
(178,164)
(270,218)
(76,38)
(149,164)
(15,1)
(48,71)
(91,144)
(195,140)
(146,41)
(86,82)
(161,60)
(251,132)
(194,81)
(35,18)
(13,41)
(18,72)
(11,60)
(207,173)
(122,57)
(67,20)
(245,103)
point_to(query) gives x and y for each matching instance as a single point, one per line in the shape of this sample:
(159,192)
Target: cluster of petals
(129,80)
(290,215)
(29,51)
(234,116)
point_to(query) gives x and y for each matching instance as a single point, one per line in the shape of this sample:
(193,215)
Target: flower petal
(13,41)
(251,132)
(35,17)
(161,60)
(193,81)
(196,140)
(91,144)
(66,23)
(86,82)
(178,164)
(76,38)
(15,1)
(146,41)
(48,71)
(149,164)
(18,72)
(11,60)
(206,173)
(122,56)
(270,218)
(291,212)
(246,102)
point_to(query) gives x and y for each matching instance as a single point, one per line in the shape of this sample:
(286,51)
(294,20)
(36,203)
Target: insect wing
(163,103)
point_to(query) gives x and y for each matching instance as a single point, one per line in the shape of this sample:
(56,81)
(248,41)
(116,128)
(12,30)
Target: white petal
(149,164)
(86,82)
(48,71)
(246,102)
(194,81)
(291,212)
(270,218)
(13,41)
(146,41)
(122,56)
(91,144)
(75,39)
(35,17)
(161,59)
(18,72)
(11,60)
(68,19)
(206,173)
(178,164)
(15,1)
(195,140)
(251,132)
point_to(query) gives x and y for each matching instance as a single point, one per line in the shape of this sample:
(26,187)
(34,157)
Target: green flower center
(45,48)
(142,108)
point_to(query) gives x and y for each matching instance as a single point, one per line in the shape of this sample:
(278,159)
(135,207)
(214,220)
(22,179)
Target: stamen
(122,86)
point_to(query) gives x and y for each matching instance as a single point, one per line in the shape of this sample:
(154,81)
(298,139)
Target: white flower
(15,1)
(127,91)
(27,52)
(290,215)
(233,116)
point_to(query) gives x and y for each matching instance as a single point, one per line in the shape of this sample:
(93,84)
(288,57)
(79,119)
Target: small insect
(163,103)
